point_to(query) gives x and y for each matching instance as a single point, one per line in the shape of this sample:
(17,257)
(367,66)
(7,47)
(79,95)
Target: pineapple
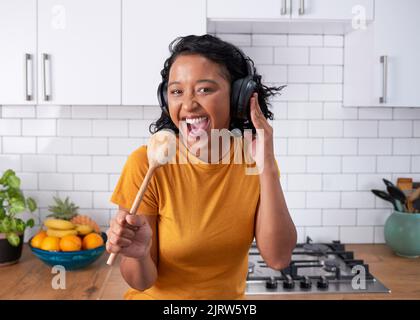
(67,210)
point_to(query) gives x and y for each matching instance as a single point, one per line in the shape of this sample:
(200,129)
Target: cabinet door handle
(45,74)
(384,61)
(283,7)
(302,7)
(28,77)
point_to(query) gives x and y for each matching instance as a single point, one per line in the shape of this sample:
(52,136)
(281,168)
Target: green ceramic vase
(402,233)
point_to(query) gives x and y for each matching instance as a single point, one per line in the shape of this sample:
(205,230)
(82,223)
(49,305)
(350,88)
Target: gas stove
(315,268)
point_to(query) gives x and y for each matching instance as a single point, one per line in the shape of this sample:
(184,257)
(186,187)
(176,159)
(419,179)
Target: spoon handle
(136,203)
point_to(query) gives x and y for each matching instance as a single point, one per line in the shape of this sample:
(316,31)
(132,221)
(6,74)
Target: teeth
(195,120)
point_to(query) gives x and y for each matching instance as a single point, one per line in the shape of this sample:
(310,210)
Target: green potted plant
(12,228)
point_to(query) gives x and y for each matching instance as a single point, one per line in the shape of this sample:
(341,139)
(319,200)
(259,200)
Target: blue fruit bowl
(70,260)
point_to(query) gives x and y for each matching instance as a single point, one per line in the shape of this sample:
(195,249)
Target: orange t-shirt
(205,226)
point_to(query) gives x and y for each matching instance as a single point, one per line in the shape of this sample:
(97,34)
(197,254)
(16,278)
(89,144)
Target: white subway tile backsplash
(81,199)
(37,127)
(55,112)
(325,128)
(272,73)
(362,164)
(74,164)
(304,110)
(38,163)
(295,200)
(89,112)
(326,56)
(304,182)
(304,74)
(124,146)
(279,109)
(19,145)
(17,112)
(395,128)
(339,217)
(306,217)
(406,146)
(301,146)
(333,41)
(276,40)
(322,234)
(90,146)
(379,236)
(55,181)
(416,127)
(333,74)
(10,161)
(260,55)
(101,200)
(298,40)
(323,200)
(294,92)
(110,164)
(236,39)
(357,199)
(325,92)
(28,181)
(335,110)
(43,199)
(291,55)
(393,164)
(415,164)
(291,164)
(91,182)
(375,146)
(340,146)
(139,128)
(361,128)
(74,128)
(10,127)
(356,234)
(151,112)
(110,128)
(290,128)
(54,145)
(406,113)
(375,113)
(323,164)
(372,217)
(339,182)
(368,181)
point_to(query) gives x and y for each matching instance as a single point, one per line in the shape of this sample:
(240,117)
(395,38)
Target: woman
(194,227)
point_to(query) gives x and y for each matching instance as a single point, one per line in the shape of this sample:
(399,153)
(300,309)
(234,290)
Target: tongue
(197,127)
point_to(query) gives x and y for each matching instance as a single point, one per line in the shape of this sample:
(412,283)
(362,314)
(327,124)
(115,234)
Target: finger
(119,241)
(123,231)
(120,218)
(135,220)
(111,248)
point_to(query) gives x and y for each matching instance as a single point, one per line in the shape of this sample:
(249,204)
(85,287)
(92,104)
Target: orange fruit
(70,243)
(50,244)
(92,241)
(37,239)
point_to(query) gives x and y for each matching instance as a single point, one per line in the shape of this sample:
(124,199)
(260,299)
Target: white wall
(329,156)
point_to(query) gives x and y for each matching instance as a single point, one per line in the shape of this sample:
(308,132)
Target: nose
(189,102)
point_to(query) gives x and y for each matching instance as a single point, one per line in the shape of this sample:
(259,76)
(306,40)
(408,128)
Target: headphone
(241,92)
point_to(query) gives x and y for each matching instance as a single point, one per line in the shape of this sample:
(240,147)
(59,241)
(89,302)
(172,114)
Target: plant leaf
(13,239)
(30,223)
(6,175)
(16,206)
(13,181)
(5,224)
(31,204)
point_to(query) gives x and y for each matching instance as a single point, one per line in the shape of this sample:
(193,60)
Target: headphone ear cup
(248,87)
(162,95)
(234,97)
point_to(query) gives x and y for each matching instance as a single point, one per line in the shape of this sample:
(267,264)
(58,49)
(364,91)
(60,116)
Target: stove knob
(271,283)
(288,283)
(322,283)
(305,283)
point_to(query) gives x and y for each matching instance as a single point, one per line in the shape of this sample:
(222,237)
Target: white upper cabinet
(381,63)
(248,9)
(148,30)
(79,46)
(18,51)
(332,9)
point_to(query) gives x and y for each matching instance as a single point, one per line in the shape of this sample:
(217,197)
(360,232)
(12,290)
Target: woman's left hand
(262,144)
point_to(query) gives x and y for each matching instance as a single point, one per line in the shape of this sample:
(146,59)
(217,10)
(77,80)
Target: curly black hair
(229,57)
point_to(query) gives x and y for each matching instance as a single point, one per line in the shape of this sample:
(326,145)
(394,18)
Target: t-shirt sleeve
(128,185)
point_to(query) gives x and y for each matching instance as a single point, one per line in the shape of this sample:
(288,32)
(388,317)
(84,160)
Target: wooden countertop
(32,279)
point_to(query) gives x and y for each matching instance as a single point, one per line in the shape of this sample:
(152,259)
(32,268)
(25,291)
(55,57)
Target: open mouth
(197,126)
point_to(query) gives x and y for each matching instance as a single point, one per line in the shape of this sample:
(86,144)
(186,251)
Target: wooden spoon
(158,153)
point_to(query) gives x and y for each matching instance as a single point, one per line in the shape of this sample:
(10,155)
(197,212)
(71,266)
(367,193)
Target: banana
(59,224)
(61,233)
(83,229)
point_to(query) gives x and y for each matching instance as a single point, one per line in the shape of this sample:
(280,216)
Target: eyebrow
(198,81)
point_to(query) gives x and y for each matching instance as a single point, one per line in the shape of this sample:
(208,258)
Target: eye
(175,92)
(205,90)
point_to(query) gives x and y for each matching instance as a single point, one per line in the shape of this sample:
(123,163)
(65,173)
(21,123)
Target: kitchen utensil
(405,183)
(385,196)
(158,153)
(398,195)
(416,204)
